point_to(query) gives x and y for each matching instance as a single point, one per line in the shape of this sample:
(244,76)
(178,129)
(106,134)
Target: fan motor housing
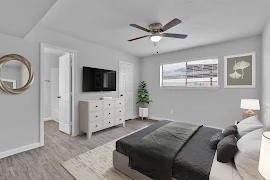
(155,27)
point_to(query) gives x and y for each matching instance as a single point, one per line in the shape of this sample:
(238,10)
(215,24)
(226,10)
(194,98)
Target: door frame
(132,113)
(74,119)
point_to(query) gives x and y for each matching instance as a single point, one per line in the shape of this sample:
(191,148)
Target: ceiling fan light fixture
(155,38)
(157,30)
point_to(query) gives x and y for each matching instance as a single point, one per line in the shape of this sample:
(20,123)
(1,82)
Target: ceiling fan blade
(138,38)
(171,24)
(180,36)
(140,27)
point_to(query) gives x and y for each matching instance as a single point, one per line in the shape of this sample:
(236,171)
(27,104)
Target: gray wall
(12,73)
(92,55)
(218,108)
(19,120)
(50,61)
(265,98)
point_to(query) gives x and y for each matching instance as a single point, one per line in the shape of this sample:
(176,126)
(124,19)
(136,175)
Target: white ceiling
(106,22)
(205,21)
(18,17)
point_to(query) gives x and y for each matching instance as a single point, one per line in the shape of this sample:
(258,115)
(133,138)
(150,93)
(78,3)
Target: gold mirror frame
(28,65)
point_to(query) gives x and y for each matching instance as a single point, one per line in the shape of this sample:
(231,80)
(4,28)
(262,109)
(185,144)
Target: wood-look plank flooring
(44,163)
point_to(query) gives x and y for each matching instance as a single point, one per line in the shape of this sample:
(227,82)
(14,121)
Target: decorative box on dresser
(101,114)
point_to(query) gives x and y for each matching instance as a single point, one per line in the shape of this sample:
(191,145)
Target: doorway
(126,87)
(57,89)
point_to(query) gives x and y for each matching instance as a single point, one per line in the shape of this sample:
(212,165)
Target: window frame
(188,87)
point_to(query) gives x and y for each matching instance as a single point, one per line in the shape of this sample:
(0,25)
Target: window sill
(194,88)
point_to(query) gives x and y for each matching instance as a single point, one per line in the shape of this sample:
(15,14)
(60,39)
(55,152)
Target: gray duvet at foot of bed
(155,153)
(195,159)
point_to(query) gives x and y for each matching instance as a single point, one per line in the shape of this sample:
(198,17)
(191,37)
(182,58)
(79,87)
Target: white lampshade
(250,104)
(265,156)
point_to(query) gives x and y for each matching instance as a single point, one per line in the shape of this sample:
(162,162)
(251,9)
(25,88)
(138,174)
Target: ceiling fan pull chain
(156,44)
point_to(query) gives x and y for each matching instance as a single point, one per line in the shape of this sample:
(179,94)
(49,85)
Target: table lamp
(264,163)
(249,105)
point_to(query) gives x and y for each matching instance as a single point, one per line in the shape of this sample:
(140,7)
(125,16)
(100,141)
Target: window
(200,73)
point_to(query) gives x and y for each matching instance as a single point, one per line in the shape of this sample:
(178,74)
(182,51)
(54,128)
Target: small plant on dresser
(143,99)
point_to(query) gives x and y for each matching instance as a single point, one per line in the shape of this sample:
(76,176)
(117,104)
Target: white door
(126,87)
(65,93)
(54,94)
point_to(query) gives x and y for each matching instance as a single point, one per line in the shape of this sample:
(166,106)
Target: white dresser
(101,114)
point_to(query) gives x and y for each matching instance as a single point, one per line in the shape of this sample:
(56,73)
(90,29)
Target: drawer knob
(96,106)
(109,122)
(96,116)
(120,103)
(120,119)
(109,104)
(109,113)
(96,125)
(119,111)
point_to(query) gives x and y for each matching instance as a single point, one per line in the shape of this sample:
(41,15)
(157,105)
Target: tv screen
(98,79)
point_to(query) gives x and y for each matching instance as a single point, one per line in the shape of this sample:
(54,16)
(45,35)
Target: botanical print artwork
(240,71)
(240,65)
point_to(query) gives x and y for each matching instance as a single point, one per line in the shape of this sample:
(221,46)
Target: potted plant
(143,99)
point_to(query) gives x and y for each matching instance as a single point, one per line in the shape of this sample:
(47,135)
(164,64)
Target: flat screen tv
(98,80)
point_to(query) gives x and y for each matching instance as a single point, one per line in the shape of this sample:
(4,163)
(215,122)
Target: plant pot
(143,112)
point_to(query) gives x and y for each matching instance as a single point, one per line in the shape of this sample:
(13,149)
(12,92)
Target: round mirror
(16,74)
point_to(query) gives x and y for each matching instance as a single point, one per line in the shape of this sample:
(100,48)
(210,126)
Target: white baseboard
(51,119)
(48,119)
(19,150)
(161,119)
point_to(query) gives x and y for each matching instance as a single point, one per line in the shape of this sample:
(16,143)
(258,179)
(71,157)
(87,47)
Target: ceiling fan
(157,28)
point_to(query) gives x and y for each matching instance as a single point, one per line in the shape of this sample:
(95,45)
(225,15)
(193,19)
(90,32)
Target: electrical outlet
(171,111)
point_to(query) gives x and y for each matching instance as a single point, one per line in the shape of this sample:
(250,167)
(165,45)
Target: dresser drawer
(108,123)
(119,119)
(109,114)
(120,111)
(95,126)
(95,106)
(120,103)
(108,104)
(95,116)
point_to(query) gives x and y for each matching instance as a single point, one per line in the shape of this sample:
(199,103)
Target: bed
(196,160)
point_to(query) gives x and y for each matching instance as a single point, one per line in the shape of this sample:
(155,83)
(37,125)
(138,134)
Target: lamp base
(248,113)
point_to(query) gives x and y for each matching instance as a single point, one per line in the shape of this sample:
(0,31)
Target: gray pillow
(215,140)
(230,130)
(248,155)
(248,125)
(226,149)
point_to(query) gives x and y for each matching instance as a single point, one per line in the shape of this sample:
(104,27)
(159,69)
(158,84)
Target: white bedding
(223,171)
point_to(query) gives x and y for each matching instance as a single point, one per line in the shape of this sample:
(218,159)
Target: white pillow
(248,155)
(248,125)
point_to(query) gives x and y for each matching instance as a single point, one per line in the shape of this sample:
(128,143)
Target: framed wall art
(240,71)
